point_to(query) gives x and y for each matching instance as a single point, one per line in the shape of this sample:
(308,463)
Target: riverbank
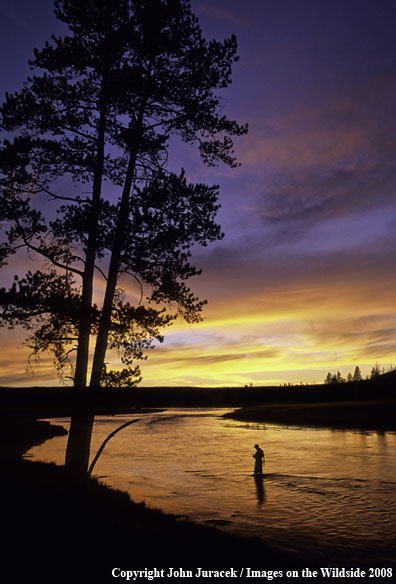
(61,527)
(379,415)
(109,400)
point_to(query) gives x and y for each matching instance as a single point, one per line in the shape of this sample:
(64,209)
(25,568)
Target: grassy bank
(68,528)
(367,415)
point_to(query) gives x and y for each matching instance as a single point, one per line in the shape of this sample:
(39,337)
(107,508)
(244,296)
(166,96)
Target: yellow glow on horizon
(274,341)
(271,338)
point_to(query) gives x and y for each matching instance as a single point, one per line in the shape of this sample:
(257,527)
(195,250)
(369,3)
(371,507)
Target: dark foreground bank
(59,527)
(379,415)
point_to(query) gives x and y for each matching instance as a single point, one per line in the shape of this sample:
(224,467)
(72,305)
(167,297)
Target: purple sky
(303,282)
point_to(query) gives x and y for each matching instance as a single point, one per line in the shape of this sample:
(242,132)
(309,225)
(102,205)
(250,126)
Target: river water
(327,494)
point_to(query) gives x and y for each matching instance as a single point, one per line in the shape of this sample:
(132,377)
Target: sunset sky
(304,281)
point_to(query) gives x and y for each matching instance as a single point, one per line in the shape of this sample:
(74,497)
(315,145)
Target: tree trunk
(105,318)
(83,411)
(81,424)
(80,377)
(122,218)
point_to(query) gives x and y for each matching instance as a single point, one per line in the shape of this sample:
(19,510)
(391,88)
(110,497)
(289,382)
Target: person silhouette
(260,460)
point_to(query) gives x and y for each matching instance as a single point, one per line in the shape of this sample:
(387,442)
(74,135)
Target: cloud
(303,282)
(282,336)
(224,14)
(14,362)
(329,153)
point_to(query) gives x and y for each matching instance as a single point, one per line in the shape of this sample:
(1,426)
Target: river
(327,494)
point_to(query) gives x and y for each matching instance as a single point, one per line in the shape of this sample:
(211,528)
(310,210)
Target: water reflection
(322,492)
(260,490)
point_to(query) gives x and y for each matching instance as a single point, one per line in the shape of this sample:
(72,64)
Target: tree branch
(109,437)
(48,256)
(138,281)
(101,272)
(79,133)
(48,192)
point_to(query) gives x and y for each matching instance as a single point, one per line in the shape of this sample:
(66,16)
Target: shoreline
(374,415)
(80,526)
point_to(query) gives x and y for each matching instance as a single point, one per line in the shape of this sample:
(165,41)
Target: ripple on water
(323,492)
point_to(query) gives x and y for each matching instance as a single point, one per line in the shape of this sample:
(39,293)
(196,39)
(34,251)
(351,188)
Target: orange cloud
(276,338)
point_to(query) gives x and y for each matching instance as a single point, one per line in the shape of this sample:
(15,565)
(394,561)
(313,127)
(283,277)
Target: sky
(303,282)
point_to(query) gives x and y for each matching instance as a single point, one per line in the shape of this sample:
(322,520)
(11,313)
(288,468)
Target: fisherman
(260,460)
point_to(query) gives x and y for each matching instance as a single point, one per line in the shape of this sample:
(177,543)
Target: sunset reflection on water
(325,492)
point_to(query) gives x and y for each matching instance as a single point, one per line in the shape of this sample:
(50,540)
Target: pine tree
(99,114)
(357,374)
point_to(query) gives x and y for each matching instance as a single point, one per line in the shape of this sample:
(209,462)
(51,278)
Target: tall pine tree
(97,116)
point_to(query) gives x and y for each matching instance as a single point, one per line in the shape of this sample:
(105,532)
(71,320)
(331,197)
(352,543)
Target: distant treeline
(111,401)
(376,371)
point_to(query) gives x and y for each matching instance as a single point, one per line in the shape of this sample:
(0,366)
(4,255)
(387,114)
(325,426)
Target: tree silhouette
(98,115)
(335,378)
(375,371)
(357,374)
